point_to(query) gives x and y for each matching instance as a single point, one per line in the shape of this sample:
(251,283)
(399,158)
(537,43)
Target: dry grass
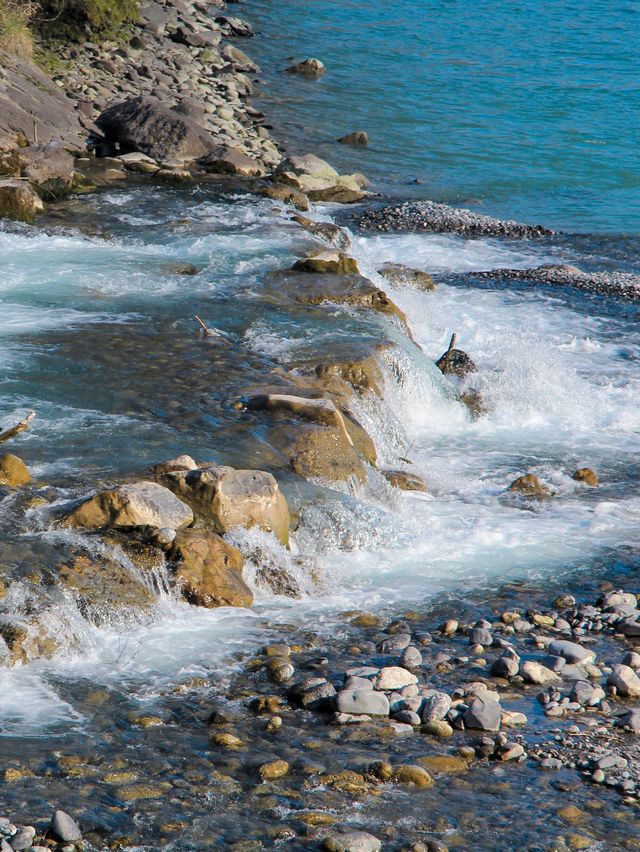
(15,34)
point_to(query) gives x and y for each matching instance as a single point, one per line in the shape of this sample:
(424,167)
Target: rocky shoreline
(323,732)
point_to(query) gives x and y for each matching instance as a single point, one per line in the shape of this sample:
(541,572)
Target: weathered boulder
(135,161)
(399,274)
(209,569)
(288,194)
(404,480)
(50,167)
(359,139)
(331,262)
(529,486)
(146,124)
(231,161)
(586,475)
(312,68)
(225,498)
(319,180)
(13,471)
(534,672)
(361,372)
(19,201)
(234,26)
(337,194)
(143,504)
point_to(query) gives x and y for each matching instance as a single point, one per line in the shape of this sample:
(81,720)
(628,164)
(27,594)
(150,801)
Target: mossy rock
(76,20)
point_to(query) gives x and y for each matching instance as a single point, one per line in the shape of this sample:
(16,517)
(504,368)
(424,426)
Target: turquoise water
(529,110)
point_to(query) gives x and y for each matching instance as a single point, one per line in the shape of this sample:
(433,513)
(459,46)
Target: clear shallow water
(524,111)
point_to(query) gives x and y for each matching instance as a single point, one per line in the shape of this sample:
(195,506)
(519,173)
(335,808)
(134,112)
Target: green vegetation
(51,21)
(15,33)
(77,20)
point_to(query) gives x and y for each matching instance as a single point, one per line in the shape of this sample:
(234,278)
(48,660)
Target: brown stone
(273,770)
(359,139)
(529,486)
(13,471)
(412,774)
(337,195)
(404,480)
(446,764)
(586,475)
(325,453)
(102,585)
(332,262)
(325,230)
(288,194)
(209,569)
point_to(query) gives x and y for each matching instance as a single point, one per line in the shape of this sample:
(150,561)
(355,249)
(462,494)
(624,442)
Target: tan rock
(210,570)
(446,764)
(102,585)
(19,201)
(404,480)
(231,161)
(273,770)
(225,498)
(409,773)
(530,486)
(143,504)
(325,230)
(325,453)
(332,262)
(586,475)
(13,471)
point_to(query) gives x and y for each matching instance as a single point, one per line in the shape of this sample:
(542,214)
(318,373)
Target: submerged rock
(143,504)
(530,486)
(325,230)
(586,475)
(102,586)
(209,569)
(359,139)
(13,471)
(225,498)
(312,68)
(398,274)
(404,480)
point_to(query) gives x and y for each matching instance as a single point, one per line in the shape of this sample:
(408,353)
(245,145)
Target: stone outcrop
(19,201)
(143,504)
(225,498)
(49,167)
(209,570)
(147,125)
(319,180)
(13,471)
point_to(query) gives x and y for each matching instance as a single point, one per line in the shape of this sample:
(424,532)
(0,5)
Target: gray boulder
(362,701)
(483,713)
(571,651)
(143,504)
(64,829)
(150,126)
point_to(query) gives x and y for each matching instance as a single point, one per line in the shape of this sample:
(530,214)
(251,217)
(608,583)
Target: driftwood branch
(452,342)
(19,427)
(205,329)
